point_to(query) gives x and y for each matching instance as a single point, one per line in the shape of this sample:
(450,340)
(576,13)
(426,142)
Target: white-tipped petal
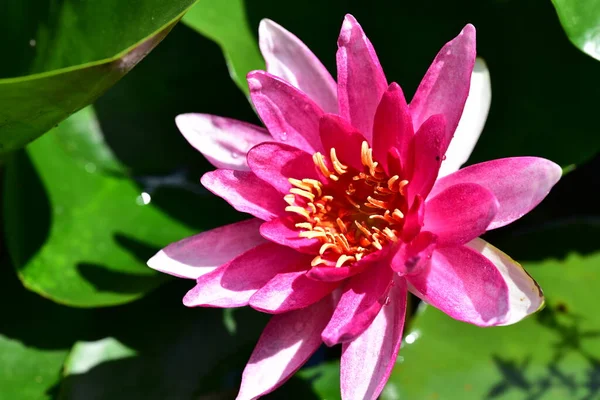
(471,122)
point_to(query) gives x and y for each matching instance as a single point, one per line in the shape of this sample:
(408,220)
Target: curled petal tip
(155,260)
(254,81)
(348,26)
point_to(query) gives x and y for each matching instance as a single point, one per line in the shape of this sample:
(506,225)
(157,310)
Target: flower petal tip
(525,296)
(187,300)
(555,171)
(469,29)
(266,25)
(181,119)
(394,87)
(207,179)
(254,80)
(267,32)
(349,26)
(156,260)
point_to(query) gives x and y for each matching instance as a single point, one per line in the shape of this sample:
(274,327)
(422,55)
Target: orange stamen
(352,214)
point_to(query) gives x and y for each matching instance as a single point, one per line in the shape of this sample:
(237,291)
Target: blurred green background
(87,203)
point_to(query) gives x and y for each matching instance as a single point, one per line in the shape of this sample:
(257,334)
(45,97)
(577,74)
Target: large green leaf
(225,22)
(52,75)
(79,236)
(581,20)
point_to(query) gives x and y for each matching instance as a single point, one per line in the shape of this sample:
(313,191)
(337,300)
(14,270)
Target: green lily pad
(225,22)
(552,355)
(581,21)
(51,76)
(78,236)
(81,137)
(27,373)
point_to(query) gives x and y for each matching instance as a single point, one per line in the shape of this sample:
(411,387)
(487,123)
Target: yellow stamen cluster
(354,213)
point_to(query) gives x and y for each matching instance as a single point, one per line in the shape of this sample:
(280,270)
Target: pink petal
(472,120)
(335,274)
(232,284)
(282,231)
(445,87)
(412,258)
(362,298)
(245,192)
(197,255)
(290,291)
(223,141)
(430,143)
(344,138)
(289,115)
(414,219)
(519,184)
(361,81)
(368,360)
(524,294)
(465,285)
(394,165)
(285,345)
(289,59)
(460,213)
(392,126)
(275,163)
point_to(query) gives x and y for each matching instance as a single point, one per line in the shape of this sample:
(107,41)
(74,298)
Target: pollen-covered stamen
(298,210)
(303,193)
(330,246)
(304,225)
(320,162)
(354,214)
(337,165)
(397,215)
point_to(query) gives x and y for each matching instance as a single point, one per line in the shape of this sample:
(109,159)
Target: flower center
(353,213)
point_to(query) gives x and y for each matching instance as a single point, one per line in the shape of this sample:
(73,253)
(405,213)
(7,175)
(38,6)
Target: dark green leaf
(225,22)
(78,236)
(52,75)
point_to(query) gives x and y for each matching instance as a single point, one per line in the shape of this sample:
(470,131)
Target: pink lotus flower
(357,200)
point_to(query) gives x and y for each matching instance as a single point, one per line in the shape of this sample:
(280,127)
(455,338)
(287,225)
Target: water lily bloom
(357,199)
